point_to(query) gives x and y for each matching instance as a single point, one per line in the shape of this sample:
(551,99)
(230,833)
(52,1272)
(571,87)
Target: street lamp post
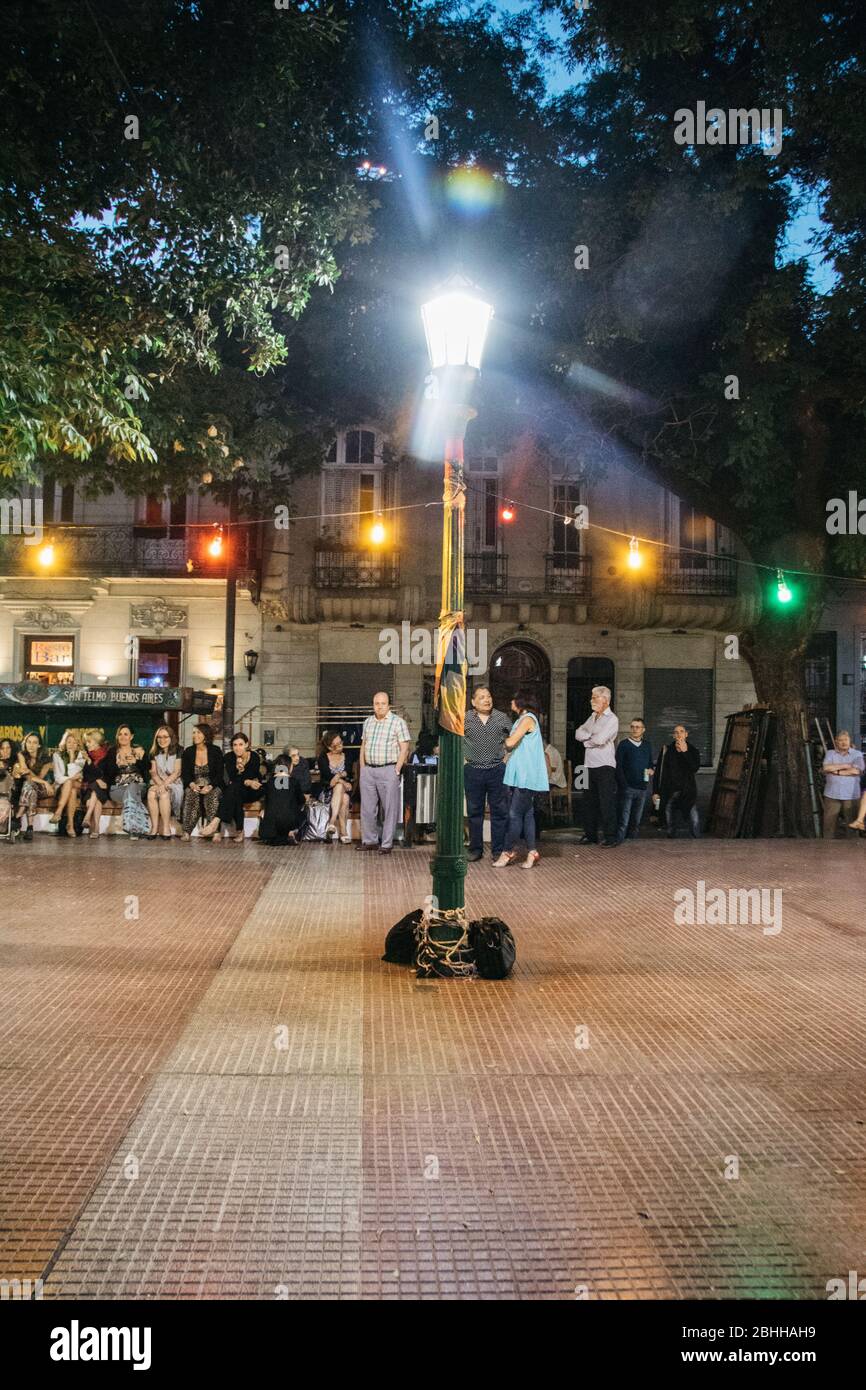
(455,322)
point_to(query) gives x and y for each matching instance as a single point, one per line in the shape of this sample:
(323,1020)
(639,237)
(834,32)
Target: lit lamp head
(215,547)
(635,559)
(456,321)
(377,532)
(45,554)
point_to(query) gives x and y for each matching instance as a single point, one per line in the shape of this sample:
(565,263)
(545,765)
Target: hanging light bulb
(216,546)
(635,559)
(45,554)
(783,593)
(508,512)
(377,531)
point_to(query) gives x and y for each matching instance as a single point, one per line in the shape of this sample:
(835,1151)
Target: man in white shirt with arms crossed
(598,736)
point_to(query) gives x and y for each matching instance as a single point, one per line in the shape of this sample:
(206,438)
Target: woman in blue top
(525,774)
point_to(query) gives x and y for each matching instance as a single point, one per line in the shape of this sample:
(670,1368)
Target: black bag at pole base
(492,945)
(401,943)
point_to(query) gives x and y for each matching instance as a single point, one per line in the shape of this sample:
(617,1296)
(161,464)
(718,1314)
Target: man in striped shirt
(384,749)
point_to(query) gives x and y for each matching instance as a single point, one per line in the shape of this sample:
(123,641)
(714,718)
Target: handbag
(401,943)
(318,817)
(492,944)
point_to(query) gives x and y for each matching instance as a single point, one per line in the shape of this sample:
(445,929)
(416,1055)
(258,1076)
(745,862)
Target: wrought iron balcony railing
(567,574)
(124,550)
(357,569)
(486,573)
(685,572)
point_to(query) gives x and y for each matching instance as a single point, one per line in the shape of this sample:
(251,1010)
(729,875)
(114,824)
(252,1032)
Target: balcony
(567,574)
(486,573)
(356,569)
(683,572)
(125,550)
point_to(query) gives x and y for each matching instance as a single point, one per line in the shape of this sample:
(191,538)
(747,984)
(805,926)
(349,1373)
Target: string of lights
(509,507)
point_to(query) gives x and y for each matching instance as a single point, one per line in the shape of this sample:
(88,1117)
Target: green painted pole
(449,863)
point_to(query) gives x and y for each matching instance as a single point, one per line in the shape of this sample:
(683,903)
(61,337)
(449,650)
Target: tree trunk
(779,675)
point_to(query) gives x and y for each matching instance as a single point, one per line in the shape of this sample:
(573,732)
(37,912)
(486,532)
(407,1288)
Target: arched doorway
(583,673)
(521,666)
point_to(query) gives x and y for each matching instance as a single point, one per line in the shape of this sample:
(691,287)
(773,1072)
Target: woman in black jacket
(284,805)
(124,771)
(246,775)
(202,777)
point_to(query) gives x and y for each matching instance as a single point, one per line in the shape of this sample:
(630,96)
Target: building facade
(346,601)
(122,591)
(549,604)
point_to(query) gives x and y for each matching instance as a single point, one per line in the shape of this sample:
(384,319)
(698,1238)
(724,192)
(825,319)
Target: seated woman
(30,771)
(165,793)
(8,754)
(335,780)
(124,770)
(284,805)
(94,791)
(299,768)
(68,771)
(246,773)
(202,776)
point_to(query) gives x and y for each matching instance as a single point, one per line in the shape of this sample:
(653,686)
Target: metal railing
(356,569)
(124,550)
(684,572)
(486,573)
(567,574)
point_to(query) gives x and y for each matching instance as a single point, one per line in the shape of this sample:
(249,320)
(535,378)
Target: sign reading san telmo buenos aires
(35,693)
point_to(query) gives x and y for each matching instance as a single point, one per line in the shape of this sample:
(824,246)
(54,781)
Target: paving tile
(234,1097)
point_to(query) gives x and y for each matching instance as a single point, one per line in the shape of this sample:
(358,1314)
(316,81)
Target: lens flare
(473,191)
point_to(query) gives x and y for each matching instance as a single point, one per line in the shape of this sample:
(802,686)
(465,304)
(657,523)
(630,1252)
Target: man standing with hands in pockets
(598,736)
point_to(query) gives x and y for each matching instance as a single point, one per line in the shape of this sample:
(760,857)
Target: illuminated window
(49,660)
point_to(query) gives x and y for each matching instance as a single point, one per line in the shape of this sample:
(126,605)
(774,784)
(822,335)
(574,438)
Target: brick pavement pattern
(229,1095)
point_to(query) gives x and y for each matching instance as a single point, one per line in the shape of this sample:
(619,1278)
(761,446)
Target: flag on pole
(450,690)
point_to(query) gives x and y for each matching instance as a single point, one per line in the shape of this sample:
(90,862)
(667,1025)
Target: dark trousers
(486,783)
(674,808)
(234,798)
(599,803)
(521,818)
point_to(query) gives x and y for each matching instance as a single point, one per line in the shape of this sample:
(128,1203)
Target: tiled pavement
(230,1096)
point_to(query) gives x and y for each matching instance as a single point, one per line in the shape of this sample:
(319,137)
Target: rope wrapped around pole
(448,953)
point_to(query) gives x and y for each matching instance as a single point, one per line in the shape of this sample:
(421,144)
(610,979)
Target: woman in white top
(68,763)
(165,793)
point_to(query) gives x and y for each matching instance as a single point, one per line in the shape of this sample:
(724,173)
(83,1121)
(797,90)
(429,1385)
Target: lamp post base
(443,944)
